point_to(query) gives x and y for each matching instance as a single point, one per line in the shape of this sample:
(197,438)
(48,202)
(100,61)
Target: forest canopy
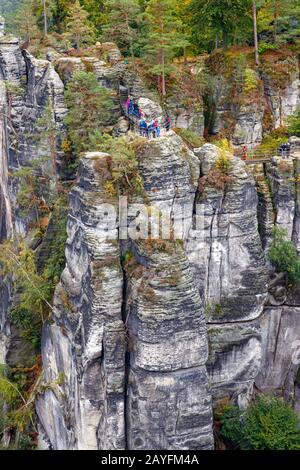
(197,25)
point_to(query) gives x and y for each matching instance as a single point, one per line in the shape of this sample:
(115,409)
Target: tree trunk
(163,77)
(130,42)
(275,20)
(45,19)
(255,33)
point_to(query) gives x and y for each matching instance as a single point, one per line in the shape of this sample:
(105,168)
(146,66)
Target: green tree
(24,21)
(96,11)
(276,19)
(79,29)
(89,107)
(283,254)
(225,20)
(293,124)
(94,8)
(123,18)
(163,38)
(48,139)
(267,424)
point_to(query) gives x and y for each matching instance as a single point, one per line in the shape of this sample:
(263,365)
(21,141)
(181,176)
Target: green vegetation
(271,142)
(283,254)
(267,424)
(34,285)
(164,36)
(191,138)
(293,126)
(122,174)
(88,103)
(79,30)
(122,25)
(182,28)
(18,389)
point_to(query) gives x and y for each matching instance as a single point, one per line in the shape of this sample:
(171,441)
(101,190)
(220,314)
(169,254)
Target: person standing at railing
(167,122)
(285,150)
(130,108)
(127,104)
(135,108)
(151,129)
(143,128)
(244,155)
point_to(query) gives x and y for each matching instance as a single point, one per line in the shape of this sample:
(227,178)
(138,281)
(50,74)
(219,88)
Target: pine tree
(79,29)
(229,20)
(122,24)
(163,39)
(89,109)
(254,9)
(24,21)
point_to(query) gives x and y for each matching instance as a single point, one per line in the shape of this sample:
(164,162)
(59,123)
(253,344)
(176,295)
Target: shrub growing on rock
(294,124)
(89,106)
(283,254)
(267,424)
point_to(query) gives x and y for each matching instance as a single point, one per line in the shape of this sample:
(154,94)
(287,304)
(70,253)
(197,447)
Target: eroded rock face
(279,371)
(146,335)
(27,86)
(5,203)
(244,113)
(2,26)
(283,98)
(134,331)
(230,271)
(228,261)
(87,343)
(249,125)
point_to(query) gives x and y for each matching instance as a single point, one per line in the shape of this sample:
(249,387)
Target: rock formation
(27,86)
(148,336)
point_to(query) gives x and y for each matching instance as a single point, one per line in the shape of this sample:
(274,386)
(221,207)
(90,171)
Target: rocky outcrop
(147,335)
(27,87)
(230,271)
(2,26)
(132,329)
(265,207)
(282,87)
(280,173)
(280,352)
(245,102)
(86,344)
(5,203)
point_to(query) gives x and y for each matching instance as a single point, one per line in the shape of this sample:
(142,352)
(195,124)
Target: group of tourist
(147,129)
(285,149)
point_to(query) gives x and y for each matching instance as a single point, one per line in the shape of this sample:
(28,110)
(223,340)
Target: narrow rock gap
(124,315)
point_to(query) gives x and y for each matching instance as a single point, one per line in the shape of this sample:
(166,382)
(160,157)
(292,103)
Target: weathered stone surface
(2,26)
(156,309)
(283,100)
(5,203)
(279,370)
(226,253)
(281,176)
(36,84)
(249,128)
(87,341)
(234,360)
(265,208)
(229,268)
(128,362)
